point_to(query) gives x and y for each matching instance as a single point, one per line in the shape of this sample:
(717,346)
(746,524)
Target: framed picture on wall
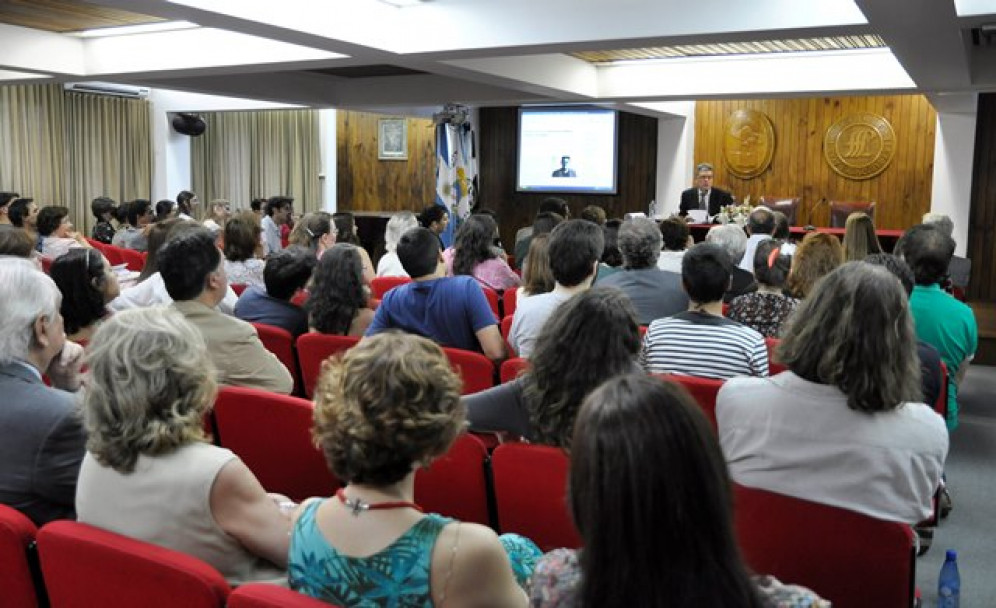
(392,139)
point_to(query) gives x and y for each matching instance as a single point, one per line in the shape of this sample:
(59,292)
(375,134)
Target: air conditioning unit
(108,88)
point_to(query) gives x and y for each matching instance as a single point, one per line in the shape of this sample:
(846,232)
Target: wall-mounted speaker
(186,123)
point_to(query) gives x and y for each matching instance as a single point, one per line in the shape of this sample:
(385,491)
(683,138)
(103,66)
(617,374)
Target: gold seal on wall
(860,146)
(748,143)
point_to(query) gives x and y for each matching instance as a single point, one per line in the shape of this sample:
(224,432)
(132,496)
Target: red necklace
(357,506)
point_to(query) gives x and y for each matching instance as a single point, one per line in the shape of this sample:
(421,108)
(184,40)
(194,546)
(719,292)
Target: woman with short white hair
(389,264)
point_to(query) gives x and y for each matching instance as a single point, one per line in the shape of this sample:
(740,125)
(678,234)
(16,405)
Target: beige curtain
(247,155)
(63,148)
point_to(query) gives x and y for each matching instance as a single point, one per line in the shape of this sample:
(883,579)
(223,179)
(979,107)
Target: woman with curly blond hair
(389,406)
(815,257)
(149,472)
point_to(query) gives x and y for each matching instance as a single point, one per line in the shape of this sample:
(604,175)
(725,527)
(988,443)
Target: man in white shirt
(278,213)
(760,225)
(677,240)
(575,248)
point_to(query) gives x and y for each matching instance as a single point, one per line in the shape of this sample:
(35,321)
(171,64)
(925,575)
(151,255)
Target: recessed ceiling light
(128,30)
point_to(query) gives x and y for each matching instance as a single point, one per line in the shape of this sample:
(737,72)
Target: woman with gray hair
(845,425)
(733,239)
(150,472)
(389,265)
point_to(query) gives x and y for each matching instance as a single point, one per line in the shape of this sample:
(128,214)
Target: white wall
(327,142)
(675,155)
(954,154)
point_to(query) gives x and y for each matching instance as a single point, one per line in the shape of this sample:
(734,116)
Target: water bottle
(949,583)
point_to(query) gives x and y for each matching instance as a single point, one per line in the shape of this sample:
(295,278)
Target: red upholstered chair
(17,537)
(261,595)
(456,484)
(113,255)
(789,205)
(476,370)
(703,390)
(280,342)
(238,288)
(46,263)
(314,348)
(511,368)
(851,559)
(300,298)
(773,366)
(643,331)
(506,328)
(272,434)
(493,300)
(509,300)
(381,285)
(134,259)
(530,484)
(86,567)
(941,403)
(839,210)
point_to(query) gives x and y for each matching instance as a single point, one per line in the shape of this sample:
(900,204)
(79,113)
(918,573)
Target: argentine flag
(456,172)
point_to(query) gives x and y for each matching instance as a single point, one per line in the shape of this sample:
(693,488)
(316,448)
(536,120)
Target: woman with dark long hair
(473,254)
(88,284)
(339,293)
(657,534)
(592,337)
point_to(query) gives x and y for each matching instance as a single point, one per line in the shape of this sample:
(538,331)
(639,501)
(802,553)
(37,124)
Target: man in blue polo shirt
(941,321)
(450,310)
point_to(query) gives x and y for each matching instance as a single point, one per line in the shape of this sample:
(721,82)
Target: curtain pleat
(32,150)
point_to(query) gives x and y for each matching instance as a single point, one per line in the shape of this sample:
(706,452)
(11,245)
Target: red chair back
(493,301)
(113,254)
(381,285)
(703,390)
(262,595)
(506,328)
(530,484)
(477,371)
(300,298)
(511,368)
(17,535)
(313,349)
(839,210)
(280,342)
(238,288)
(848,558)
(46,263)
(86,567)
(774,367)
(134,259)
(271,433)
(456,484)
(941,403)
(509,301)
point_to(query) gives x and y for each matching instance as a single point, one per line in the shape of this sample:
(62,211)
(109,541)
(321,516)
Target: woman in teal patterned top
(390,405)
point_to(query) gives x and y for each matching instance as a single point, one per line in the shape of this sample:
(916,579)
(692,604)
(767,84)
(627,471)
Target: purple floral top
(557,576)
(494,273)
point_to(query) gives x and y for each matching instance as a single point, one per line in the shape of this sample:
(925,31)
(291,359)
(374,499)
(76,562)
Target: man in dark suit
(43,439)
(565,169)
(703,195)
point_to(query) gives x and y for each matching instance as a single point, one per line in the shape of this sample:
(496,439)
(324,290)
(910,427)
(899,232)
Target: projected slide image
(568,150)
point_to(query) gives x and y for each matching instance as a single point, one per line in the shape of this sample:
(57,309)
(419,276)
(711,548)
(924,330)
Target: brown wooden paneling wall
(798,167)
(366,183)
(982,217)
(497,135)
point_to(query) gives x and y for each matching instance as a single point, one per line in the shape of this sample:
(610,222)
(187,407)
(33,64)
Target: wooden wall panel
(982,217)
(497,135)
(799,168)
(366,183)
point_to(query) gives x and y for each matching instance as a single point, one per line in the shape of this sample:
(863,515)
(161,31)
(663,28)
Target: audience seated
(242,264)
(844,426)
(155,477)
(816,256)
(17,243)
(435,218)
(676,237)
(23,214)
(574,249)
(452,311)
(653,292)
(194,277)
(959,269)
(43,438)
(701,341)
(782,233)
(552,211)
(221,210)
(760,225)
(88,284)
(940,320)
(103,210)
(390,406)
(767,308)
(6,198)
(135,235)
(165,210)
(315,231)
(930,359)
(339,293)
(345,225)
(56,231)
(279,210)
(473,254)
(860,239)
(593,337)
(286,272)
(647,477)
(537,277)
(593,213)
(612,260)
(187,204)
(389,265)
(158,233)
(733,239)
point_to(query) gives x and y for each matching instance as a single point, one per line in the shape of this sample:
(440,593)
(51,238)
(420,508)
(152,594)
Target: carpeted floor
(971,474)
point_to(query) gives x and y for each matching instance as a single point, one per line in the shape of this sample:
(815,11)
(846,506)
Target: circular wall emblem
(860,146)
(748,143)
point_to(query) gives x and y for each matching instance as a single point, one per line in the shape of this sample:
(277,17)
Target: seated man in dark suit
(43,440)
(286,271)
(703,195)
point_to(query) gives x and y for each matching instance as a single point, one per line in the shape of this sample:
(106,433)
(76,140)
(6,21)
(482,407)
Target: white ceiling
(488,52)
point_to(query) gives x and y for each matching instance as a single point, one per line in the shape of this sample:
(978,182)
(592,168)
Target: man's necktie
(702,201)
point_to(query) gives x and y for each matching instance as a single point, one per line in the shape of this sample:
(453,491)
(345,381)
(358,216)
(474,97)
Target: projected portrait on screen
(565,168)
